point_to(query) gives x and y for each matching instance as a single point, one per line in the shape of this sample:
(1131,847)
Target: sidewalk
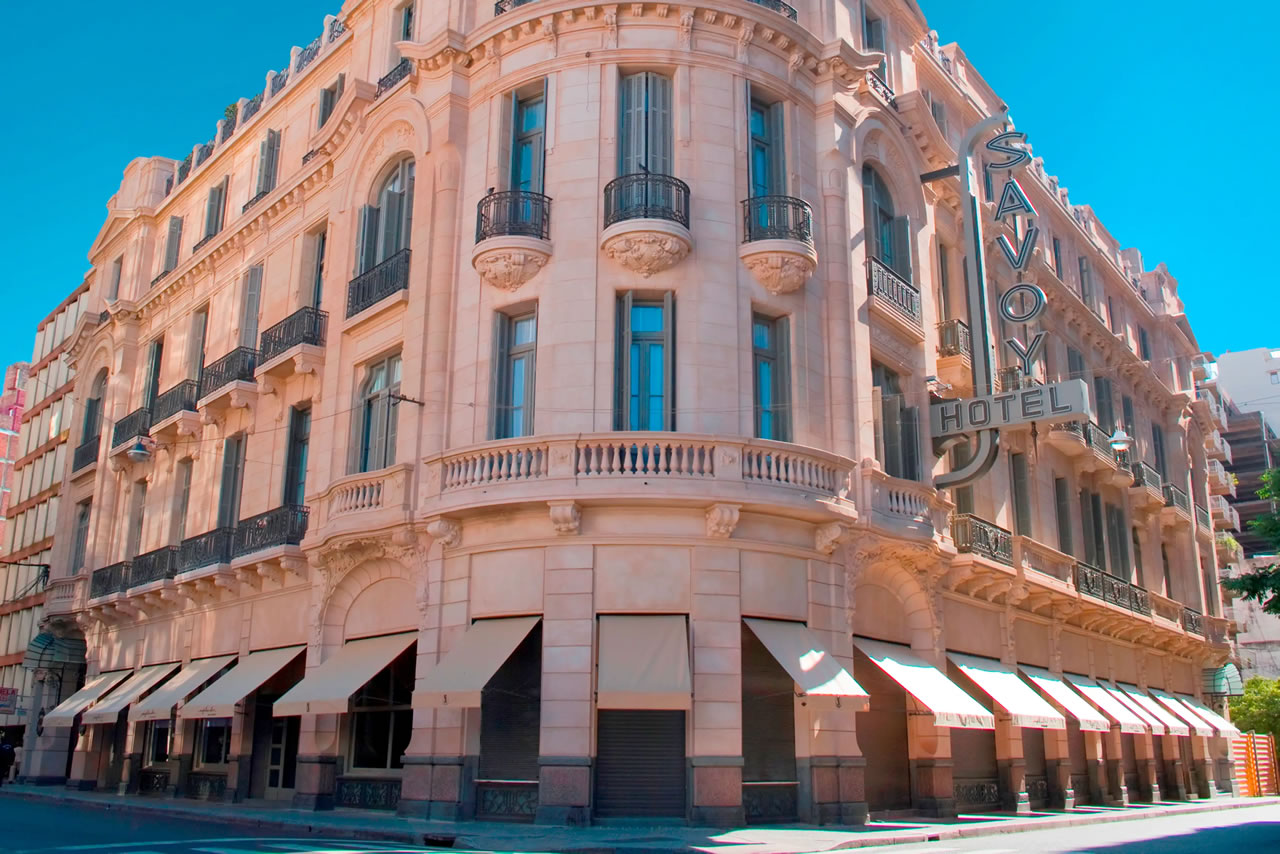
(629,839)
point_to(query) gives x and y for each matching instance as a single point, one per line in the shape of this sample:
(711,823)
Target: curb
(424,838)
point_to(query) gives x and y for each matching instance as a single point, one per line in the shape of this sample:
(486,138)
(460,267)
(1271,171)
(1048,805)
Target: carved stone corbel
(566,517)
(827,537)
(444,531)
(722,519)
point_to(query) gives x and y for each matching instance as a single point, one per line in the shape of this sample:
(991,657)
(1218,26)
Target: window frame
(297,452)
(393,709)
(203,726)
(506,356)
(365,414)
(626,339)
(777,354)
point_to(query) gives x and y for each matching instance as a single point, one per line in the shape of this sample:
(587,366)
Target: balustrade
(181,398)
(236,366)
(392,77)
(86,453)
(974,535)
(646,195)
(955,339)
(307,325)
(894,291)
(513,212)
(132,426)
(379,282)
(155,565)
(282,526)
(777,218)
(109,580)
(207,549)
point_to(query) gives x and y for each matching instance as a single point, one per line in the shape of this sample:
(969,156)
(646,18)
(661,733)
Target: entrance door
(282,758)
(640,763)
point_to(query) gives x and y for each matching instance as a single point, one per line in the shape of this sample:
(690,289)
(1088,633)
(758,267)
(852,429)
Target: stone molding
(508,261)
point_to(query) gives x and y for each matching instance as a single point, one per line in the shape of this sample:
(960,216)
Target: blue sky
(1149,111)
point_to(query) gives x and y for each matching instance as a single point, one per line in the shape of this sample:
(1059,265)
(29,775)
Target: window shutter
(1099,527)
(366,258)
(355,435)
(326,106)
(1126,408)
(782,332)
(1086,520)
(338,87)
(117,269)
(777,150)
(1157,447)
(153,372)
(174,243)
(1021,494)
(901,236)
(406,230)
(199,326)
(660,132)
(669,356)
(622,360)
(377,426)
(263,156)
(631,130)
(392,428)
(273,158)
(391,225)
(1062,504)
(211,212)
(250,307)
(499,379)
(891,418)
(229,493)
(911,442)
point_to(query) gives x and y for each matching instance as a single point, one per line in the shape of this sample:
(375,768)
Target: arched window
(385,224)
(93,408)
(374,439)
(888,236)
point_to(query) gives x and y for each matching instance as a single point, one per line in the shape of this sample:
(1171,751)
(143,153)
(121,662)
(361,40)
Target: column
(86,758)
(240,766)
(1058,764)
(1170,753)
(1202,770)
(317,776)
(1110,758)
(1012,765)
(929,749)
(132,758)
(1144,751)
(716,752)
(568,634)
(181,752)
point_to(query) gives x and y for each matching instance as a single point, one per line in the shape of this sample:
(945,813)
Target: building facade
(620,503)
(1252,378)
(46,408)
(12,403)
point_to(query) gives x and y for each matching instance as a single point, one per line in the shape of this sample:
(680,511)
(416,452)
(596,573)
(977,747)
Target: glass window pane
(633,417)
(369,734)
(525,332)
(646,318)
(402,731)
(760,335)
(757,122)
(655,387)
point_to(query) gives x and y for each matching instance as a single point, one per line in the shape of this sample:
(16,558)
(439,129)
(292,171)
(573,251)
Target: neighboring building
(11,405)
(1252,378)
(1258,638)
(589,512)
(1253,451)
(39,463)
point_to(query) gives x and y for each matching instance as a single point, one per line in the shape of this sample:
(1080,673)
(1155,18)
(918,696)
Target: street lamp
(1120,441)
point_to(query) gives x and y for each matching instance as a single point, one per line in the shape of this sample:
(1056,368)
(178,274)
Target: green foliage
(1263,584)
(230,112)
(1258,709)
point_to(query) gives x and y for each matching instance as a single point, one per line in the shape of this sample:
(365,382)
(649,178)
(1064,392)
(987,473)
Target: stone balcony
(646,222)
(1225,517)
(671,468)
(1147,492)
(955,357)
(229,382)
(894,299)
(1209,411)
(129,429)
(174,412)
(777,242)
(1217,447)
(363,503)
(513,237)
(906,508)
(1227,548)
(976,536)
(65,594)
(295,345)
(1177,508)
(1221,481)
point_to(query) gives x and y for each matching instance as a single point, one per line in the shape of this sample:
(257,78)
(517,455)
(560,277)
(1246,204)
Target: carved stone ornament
(780,266)
(507,262)
(445,531)
(722,519)
(827,537)
(647,246)
(566,517)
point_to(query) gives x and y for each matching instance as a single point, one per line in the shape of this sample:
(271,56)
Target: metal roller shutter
(640,763)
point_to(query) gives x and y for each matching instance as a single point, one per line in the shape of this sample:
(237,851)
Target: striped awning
(1223,681)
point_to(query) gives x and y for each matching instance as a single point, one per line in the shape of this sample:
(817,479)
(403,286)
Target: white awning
(64,714)
(1198,725)
(1024,705)
(644,663)
(1153,723)
(138,684)
(1089,718)
(814,670)
(1108,703)
(1225,728)
(161,702)
(1172,723)
(948,703)
(327,689)
(459,678)
(219,700)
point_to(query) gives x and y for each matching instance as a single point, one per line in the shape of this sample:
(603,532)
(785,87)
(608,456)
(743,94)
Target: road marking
(315,845)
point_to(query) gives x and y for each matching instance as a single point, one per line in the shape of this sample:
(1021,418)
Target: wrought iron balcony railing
(251,107)
(645,195)
(777,218)
(884,284)
(877,84)
(1193,621)
(154,566)
(378,283)
(207,549)
(973,535)
(1099,439)
(308,54)
(132,426)
(86,454)
(513,212)
(503,6)
(1202,518)
(283,526)
(305,326)
(955,339)
(1012,378)
(777,6)
(1175,497)
(180,398)
(1145,475)
(1091,581)
(236,366)
(109,579)
(392,77)
(262,194)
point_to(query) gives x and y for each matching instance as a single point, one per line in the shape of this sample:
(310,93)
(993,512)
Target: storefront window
(157,743)
(213,741)
(382,720)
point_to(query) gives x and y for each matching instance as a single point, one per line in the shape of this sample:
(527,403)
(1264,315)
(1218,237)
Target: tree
(1258,708)
(1263,584)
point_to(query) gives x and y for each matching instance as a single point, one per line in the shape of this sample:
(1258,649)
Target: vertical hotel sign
(978,419)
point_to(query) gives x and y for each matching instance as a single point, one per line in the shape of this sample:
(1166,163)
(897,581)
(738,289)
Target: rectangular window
(939,112)
(1021,481)
(645,398)
(382,716)
(155,360)
(961,495)
(1098,526)
(1086,282)
(295,467)
(158,734)
(215,208)
(319,239)
(766,161)
(1157,451)
(1137,559)
(988,190)
(181,500)
(1104,404)
(137,511)
(515,360)
(376,416)
(213,741)
(1057,257)
(1126,413)
(1075,364)
(771,376)
(268,162)
(1062,507)
(528,133)
(232,479)
(645,135)
(117,271)
(406,23)
(1117,542)
(1144,345)
(384,228)
(897,433)
(195,344)
(250,301)
(1275,377)
(873,40)
(329,97)
(944,281)
(173,243)
(79,549)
